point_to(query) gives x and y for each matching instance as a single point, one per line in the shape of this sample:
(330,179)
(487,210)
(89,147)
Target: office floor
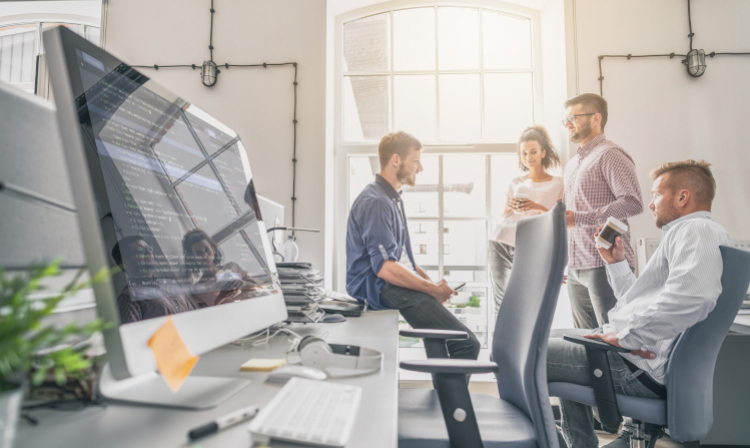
(490,388)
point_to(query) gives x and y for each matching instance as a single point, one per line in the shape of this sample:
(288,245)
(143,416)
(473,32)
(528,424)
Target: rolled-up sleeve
(378,234)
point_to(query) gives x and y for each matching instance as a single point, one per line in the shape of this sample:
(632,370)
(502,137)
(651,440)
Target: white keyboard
(309,412)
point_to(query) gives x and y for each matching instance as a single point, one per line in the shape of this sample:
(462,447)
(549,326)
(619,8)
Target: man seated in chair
(677,289)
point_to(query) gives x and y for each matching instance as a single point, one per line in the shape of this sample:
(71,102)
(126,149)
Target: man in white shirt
(677,289)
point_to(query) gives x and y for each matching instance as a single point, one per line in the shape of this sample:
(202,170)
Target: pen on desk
(223,422)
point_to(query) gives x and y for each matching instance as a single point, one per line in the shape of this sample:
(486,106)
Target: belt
(659,389)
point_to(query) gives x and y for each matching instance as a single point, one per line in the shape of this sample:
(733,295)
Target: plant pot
(10,411)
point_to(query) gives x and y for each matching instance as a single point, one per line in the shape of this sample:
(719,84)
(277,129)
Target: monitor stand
(197,392)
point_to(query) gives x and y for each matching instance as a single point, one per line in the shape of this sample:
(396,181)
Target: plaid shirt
(600,182)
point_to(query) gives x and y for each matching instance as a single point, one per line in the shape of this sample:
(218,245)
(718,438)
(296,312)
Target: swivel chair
(688,409)
(522,416)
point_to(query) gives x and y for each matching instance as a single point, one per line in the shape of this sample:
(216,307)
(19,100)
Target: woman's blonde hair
(539,134)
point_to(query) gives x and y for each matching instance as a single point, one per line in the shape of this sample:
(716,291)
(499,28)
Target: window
(465,82)
(20,44)
(441,73)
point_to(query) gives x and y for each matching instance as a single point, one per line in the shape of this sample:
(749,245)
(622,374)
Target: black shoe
(622,441)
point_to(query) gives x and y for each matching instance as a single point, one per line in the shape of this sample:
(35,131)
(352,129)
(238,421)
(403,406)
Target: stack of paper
(303,290)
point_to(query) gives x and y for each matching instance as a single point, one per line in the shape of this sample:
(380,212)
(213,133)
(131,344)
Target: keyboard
(309,412)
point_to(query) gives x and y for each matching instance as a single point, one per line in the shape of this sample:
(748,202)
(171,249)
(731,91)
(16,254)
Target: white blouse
(546,193)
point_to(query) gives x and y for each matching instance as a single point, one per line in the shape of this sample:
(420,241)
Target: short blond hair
(398,142)
(693,175)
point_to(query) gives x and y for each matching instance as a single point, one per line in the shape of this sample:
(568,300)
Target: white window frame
(38,19)
(344,149)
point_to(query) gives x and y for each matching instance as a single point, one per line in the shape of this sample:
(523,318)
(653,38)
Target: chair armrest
(594,343)
(435,340)
(435,334)
(440,365)
(601,380)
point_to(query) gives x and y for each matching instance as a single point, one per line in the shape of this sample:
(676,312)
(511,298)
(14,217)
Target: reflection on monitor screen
(178,206)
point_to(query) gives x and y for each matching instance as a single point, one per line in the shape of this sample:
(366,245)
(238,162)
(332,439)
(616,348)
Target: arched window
(465,79)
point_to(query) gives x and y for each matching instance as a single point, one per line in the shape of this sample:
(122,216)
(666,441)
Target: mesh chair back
(523,323)
(690,373)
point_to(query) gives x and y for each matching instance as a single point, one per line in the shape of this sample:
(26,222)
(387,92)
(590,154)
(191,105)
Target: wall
(255,102)
(657,112)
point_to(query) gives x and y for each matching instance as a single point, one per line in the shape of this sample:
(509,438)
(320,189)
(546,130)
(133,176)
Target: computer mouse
(333,318)
(284,374)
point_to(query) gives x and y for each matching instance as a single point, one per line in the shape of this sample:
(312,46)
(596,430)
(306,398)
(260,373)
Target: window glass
(367,43)
(17,58)
(366,107)
(422,200)
(464,185)
(508,105)
(460,108)
(424,242)
(415,106)
(414,39)
(458,38)
(506,41)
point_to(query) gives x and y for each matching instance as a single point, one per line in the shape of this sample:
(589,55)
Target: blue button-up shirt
(376,232)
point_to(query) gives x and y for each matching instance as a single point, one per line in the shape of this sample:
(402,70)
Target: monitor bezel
(128,352)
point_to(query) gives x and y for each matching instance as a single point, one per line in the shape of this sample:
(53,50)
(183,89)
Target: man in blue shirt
(380,266)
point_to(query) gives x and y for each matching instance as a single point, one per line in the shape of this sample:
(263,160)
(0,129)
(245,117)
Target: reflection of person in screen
(214,283)
(136,257)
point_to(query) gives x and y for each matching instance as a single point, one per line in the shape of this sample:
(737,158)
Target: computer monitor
(164,191)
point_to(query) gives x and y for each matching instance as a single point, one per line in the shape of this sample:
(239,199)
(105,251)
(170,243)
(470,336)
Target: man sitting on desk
(380,267)
(677,289)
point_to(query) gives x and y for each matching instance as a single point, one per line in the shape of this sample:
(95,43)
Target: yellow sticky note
(173,359)
(263,365)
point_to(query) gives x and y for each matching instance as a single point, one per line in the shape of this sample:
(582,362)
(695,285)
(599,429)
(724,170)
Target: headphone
(315,352)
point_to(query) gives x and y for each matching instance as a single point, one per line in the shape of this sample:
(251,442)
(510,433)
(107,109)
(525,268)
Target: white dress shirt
(677,289)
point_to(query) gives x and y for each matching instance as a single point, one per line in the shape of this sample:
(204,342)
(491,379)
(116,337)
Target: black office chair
(522,417)
(688,409)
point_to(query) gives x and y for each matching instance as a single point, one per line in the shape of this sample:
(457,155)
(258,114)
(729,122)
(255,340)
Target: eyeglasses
(572,118)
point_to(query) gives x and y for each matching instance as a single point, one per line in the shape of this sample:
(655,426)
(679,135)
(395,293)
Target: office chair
(522,417)
(688,409)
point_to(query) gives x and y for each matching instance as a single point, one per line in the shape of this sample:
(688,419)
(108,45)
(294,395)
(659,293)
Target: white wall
(255,102)
(657,112)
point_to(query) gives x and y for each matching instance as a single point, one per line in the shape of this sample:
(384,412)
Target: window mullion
(392,118)
(437,91)
(481,75)
(441,221)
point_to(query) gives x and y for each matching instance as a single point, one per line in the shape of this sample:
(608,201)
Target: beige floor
(490,388)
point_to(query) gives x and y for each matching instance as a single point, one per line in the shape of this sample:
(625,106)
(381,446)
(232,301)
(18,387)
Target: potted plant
(29,345)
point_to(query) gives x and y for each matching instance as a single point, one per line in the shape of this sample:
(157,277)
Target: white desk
(135,426)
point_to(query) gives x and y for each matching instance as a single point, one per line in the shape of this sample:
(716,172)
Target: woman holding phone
(528,195)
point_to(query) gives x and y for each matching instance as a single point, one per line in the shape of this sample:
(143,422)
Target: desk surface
(119,425)
(741,324)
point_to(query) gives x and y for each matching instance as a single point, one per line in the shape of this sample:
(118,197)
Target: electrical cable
(264,65)
(670,55)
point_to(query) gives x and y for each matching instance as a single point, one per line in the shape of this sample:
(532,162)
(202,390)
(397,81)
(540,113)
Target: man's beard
(406,178)
(581,134)
(665,216)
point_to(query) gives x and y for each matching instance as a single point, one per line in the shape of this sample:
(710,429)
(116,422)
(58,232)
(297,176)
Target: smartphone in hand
(459,286)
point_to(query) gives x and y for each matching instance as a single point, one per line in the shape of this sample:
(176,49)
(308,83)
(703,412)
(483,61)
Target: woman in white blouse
(528,195)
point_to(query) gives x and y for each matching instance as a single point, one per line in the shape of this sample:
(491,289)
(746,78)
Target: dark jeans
(567,363)
(591,297)
(422,311)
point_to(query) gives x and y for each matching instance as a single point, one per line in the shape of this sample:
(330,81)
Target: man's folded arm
(690,292)
(398,275)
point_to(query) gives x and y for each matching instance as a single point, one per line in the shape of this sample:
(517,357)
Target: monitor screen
(174,190)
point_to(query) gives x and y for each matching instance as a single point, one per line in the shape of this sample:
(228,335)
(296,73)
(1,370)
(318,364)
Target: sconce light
(209,73)
(696,62)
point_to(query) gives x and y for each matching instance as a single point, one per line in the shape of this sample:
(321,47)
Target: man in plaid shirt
(600,181)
